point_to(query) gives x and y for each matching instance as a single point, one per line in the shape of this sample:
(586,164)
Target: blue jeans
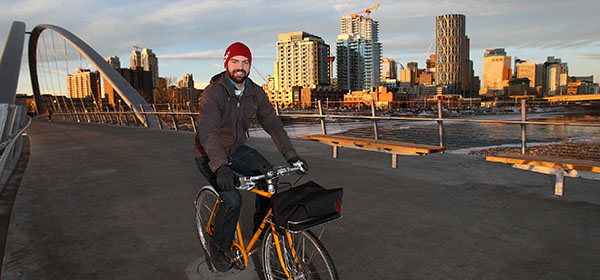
(245,161)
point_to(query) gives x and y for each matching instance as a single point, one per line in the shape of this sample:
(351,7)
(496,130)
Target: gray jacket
(224,121)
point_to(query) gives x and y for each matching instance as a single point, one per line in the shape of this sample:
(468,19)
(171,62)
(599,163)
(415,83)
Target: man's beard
(237,79)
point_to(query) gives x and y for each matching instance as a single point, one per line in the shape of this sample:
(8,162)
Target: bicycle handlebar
(249,182)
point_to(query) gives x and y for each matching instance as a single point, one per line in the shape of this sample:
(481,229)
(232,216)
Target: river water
(463,135)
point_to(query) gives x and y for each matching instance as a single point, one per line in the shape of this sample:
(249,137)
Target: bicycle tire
(312,259)
(205,203)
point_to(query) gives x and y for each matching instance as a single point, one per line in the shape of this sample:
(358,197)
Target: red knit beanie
(237,48)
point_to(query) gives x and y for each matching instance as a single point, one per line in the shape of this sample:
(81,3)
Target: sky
(190,36)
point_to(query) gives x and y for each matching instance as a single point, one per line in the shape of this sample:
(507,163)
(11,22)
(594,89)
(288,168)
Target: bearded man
(227,107)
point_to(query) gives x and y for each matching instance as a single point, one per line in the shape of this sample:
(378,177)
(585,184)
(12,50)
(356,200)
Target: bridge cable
(57,72)
(56,63)
(40,62)
(48,65)
(80,62)
(68,67)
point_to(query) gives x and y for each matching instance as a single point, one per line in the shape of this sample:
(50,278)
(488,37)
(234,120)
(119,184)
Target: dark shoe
(220,259)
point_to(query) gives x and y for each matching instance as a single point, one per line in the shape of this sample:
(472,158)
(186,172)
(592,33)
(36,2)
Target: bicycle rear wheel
(304,257)
(206,204)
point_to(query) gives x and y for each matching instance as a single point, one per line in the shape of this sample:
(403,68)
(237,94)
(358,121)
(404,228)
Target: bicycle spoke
(303,257)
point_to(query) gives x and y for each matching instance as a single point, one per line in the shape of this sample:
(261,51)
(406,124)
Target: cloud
(204,56)
(589,56)
(191,30)
(196,56)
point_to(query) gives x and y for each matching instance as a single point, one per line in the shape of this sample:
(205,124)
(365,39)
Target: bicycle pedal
(238,260)
(239,264)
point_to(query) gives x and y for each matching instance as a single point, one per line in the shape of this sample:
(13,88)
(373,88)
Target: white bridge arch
(123,88)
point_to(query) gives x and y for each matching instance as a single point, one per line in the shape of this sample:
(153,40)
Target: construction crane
(428,49)
(137,48)
(367,11)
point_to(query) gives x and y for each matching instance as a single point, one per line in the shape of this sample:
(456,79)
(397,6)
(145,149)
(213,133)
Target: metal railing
(13,122)
(174,119)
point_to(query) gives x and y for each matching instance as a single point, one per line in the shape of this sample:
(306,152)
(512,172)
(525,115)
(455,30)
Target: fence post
(135,119)
(323,127)
(109,116)
(375,129)
(192,118)
(174,118)
(120,115)
(523,128)
(157,117)
(145,116)
(440,123)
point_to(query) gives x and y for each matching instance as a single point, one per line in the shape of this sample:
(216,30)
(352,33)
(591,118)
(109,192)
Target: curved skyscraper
(452,54)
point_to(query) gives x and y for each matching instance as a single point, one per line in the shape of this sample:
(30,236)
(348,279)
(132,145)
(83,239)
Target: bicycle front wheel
(302,254)
(206,205)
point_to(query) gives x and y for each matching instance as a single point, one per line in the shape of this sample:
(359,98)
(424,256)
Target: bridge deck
(106,202)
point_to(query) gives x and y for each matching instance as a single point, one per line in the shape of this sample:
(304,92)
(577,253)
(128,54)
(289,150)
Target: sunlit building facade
(302,60)
(135,61)
(186,81)
(114,62)
(84,84)
(358,53)
(496,70)
(452,64)
(555,76)
(389,68)
(149,62)
(528,70)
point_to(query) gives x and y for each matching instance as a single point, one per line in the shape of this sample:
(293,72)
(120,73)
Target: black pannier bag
(306,206)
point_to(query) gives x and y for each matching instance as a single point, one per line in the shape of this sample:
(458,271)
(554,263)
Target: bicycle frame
(248,250)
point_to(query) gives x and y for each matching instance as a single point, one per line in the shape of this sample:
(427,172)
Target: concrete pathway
(108,202)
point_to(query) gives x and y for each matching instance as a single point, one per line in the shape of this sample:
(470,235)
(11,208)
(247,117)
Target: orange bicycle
(289,252)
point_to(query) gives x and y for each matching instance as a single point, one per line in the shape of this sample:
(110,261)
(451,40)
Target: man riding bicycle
(227,106)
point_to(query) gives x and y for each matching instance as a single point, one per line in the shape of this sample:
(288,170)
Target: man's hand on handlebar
(225,178)
(299,162)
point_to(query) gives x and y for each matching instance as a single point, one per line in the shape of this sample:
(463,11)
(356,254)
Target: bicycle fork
(281,252)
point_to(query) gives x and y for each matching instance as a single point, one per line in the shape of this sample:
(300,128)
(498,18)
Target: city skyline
(182,33)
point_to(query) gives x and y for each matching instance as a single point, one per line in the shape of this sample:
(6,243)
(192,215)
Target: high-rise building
(135,61)
(452,54)
(406,76)
(150,63)
(187,81)
(302,60)
(358,53)
(528,70)
(555,76)
(139,79)
(389,69)
(496,70)
(114,62)
(414,72)
(430,64)
(83,84)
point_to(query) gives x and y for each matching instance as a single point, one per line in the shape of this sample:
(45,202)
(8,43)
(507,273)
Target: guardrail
(176,118)
(13,122)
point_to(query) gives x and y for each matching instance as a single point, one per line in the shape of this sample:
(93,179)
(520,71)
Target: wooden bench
(560,167)
(387,146)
